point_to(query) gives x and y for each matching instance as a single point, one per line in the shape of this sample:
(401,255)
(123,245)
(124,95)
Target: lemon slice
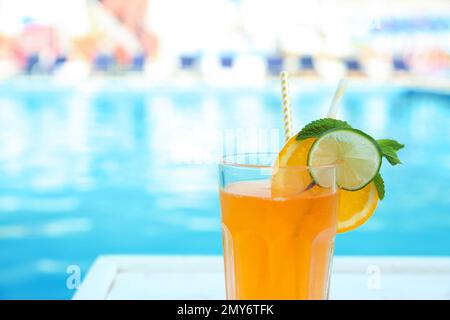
(356,154)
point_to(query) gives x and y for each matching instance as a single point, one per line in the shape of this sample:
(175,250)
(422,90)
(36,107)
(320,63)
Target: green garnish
(317,127)
(379,184)
(388,147)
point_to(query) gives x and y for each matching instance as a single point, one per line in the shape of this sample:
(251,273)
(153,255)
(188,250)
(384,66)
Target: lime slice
(356,154)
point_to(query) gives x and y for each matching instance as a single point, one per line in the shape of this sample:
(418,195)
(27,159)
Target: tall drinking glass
(275,247)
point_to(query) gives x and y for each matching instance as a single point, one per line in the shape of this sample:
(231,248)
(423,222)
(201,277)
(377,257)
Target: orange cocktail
(280,214)
(275,247)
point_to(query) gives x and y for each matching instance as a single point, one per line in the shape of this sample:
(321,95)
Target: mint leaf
(391,155)
(379,184)
(391,143)
(389,150)
(317,127)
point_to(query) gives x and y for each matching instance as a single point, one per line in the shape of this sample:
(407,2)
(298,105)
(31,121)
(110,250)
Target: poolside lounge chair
(354,67)
(227,61)
(31,63)
(103,62)
(188,62)
(400,65)
(400,68)
(138,63)
(274,65)
(307,65)
(59,61)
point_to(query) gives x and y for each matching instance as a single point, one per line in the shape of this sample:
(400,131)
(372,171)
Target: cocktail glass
(275,247)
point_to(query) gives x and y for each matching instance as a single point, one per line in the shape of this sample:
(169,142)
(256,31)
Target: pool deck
(201,277)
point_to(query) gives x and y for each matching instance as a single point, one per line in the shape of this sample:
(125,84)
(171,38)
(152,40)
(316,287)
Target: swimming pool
(87,171)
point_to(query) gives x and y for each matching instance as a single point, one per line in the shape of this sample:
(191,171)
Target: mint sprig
(388,147)
(391,143)
(317,127)
(379,184)
(389,150)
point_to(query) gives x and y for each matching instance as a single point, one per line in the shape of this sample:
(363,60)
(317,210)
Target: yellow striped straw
(287,113)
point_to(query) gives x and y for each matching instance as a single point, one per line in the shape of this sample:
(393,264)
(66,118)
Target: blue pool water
(85,172)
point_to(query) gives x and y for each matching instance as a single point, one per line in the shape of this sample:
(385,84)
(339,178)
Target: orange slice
(356,207)
(291,175)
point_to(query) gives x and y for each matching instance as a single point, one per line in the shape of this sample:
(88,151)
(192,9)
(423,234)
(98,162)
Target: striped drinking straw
(287,113)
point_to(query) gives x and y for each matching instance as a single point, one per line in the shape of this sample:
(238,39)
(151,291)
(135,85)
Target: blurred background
(113,114)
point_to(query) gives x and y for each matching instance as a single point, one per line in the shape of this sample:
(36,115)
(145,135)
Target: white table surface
(202,277)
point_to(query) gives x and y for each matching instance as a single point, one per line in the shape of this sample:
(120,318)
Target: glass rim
(224,162)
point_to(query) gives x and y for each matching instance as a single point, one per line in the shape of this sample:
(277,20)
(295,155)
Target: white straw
(287,113)
(332,111)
